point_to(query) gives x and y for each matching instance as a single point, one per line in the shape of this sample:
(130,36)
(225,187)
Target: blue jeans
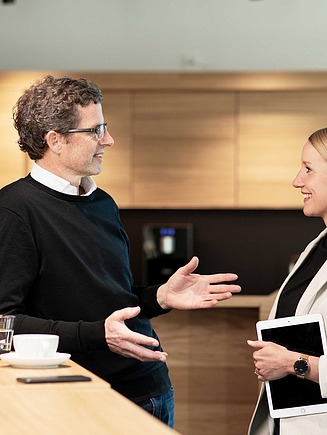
(161,407)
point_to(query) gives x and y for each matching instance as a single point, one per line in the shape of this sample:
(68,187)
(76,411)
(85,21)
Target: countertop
(68,408)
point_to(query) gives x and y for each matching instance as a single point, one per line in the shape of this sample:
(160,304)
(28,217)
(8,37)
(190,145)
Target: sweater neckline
(61,195)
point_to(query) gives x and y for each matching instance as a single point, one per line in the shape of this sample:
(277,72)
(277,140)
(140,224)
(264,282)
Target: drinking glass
(6,332)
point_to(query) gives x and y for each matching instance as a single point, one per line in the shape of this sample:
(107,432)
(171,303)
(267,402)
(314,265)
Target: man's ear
(53,140)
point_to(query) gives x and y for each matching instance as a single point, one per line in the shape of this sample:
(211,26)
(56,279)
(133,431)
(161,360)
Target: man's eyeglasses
(99,131)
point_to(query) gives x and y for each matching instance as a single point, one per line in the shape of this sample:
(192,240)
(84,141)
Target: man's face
(81,153)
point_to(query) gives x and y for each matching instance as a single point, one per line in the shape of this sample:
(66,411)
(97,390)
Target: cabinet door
(13,161)
(115,177)
(183,149)
(273,126)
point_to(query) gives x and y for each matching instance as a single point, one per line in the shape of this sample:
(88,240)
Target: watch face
(301,367)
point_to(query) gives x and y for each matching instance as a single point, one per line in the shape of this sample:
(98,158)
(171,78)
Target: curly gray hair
(51,104)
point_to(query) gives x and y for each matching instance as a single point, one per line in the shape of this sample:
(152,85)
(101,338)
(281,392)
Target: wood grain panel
(191,81)
(116,169)
(13,161)
(211,368)
(273,126)
(192,140)
(200,81)
(184,149)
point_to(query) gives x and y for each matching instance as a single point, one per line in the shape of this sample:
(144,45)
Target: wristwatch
(302,366)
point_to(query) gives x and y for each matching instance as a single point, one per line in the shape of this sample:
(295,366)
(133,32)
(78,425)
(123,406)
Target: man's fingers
(222,277)
(224,288)
(126,313)
(141,353)
(190,266)
(136,338)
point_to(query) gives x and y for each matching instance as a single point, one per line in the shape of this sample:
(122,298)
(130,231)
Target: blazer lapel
(311,294)
(314,286)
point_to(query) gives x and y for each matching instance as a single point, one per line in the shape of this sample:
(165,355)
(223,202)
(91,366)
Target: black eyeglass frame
(95,130)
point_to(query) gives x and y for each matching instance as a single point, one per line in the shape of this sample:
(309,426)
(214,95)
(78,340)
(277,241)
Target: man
(64,255)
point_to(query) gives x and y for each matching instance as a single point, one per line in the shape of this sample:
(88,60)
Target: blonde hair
(318,139)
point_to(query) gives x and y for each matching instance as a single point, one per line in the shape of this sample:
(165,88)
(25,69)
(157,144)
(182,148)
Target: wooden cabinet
(13,161)
(273,126)
(184,152)
(211,365)
(116,176)
(192,140)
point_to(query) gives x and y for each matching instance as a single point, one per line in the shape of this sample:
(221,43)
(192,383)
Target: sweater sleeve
(148,301)
(19,266)
(18,262)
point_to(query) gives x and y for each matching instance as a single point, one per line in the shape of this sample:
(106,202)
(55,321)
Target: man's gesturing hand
(123,341)
(186,290)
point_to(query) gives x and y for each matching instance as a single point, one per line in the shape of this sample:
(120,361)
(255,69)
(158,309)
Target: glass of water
(6,332)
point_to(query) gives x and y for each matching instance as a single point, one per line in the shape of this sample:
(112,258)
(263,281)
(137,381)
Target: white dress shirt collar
(60,184)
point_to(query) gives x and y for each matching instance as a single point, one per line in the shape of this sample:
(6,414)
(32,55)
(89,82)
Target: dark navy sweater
(64,268)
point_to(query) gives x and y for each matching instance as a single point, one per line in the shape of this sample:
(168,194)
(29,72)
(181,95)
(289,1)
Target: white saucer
(32,362)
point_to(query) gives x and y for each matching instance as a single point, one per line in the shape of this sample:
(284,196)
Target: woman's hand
(271,360)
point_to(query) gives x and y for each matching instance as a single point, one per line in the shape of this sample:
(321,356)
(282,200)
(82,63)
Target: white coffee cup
(36,345)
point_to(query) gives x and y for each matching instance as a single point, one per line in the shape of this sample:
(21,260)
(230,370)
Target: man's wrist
(161,297)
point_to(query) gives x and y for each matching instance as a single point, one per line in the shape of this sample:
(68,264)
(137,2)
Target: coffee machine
(166,247)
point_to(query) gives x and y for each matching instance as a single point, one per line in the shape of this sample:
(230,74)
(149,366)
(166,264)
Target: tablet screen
(290,395)
(291,391)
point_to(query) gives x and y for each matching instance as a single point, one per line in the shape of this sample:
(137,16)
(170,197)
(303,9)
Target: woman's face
(312,180)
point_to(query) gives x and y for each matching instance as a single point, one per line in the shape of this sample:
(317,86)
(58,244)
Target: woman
(304,291)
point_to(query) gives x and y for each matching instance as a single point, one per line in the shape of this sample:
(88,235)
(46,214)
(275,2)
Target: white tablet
(290,395)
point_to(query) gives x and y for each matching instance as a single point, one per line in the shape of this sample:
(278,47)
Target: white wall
(164,35)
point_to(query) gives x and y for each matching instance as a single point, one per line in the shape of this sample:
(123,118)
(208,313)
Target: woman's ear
(53,140)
